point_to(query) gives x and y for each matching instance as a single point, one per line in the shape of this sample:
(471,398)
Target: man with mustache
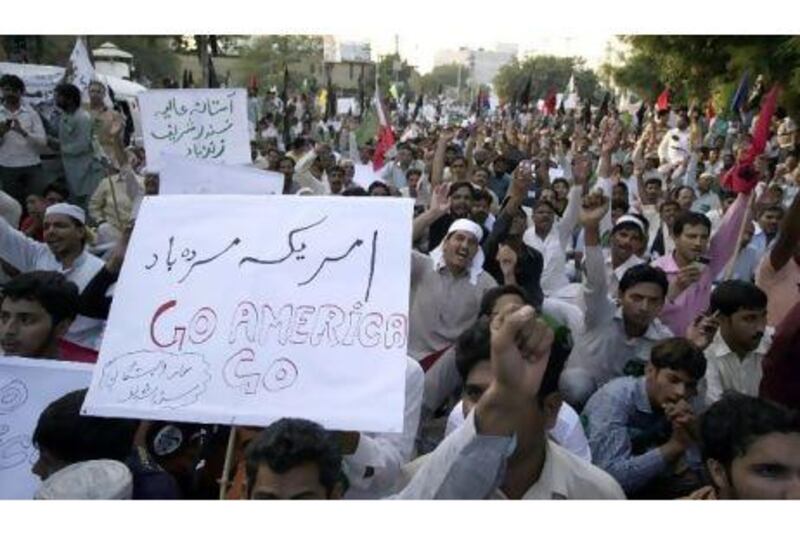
(735,356)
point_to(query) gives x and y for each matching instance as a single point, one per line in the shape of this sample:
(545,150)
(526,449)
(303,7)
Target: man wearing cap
(65,251)
(446,289)
(627,236)
(707,200)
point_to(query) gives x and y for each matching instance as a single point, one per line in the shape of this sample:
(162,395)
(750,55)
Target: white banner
(27,387)
(197,123)
(190,176)
(365,175)
(244,309)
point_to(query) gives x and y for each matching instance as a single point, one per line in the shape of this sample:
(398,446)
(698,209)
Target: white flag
(80,71)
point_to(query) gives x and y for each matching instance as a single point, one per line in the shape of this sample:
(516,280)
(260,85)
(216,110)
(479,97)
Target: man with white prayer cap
(102,479)
(446,290)
(65,251)
(628,238)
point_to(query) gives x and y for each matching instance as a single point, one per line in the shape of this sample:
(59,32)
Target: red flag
(710,111)
(252,82)
(663,100)
(385,133)
(550,102)
(743,176)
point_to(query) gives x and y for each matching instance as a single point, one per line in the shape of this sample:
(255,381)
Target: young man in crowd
(641,430)
(37,310)
(751,450)
(737,352)
(778,274)
(65,251)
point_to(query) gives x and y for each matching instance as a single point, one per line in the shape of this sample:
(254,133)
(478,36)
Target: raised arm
(440,205)
(595,290)
(788,237)
(437,171)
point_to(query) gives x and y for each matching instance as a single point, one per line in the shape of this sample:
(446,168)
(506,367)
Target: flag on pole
(80,71)
(662,103)
(740,96)
(385,133)
(285,101)
(743,177)
(550,102)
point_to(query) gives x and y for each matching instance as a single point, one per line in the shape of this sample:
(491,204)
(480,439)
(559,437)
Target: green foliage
(708,67)
(444,76)
(545,72)
(266,56)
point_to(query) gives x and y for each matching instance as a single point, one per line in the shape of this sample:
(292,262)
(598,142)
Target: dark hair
(559,180)
(299,143)
(665,203)
(484,195)
(73,438)
(355,191)
(621,205)
(726,194)
(773,207)
(735,294)
(455,187)
(378,185)
(731,425)
(70,92)
(677,191)
(689,218)
(52,290)
(491,296)
(290,442)
(679,354)
(644,274)
(286,158)
(57,188)
(12,82)
(336,169)
(474,345)
(413,170)
(622,185)
(543,202)
(653,180)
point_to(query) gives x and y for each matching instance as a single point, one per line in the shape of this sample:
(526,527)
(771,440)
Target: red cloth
(429,360)
(710,111)
(550,102)
(781,379)
(26,223)
(743,176)
(75,353)
(663,100)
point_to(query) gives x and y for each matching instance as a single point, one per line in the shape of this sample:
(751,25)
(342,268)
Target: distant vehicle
(41,80)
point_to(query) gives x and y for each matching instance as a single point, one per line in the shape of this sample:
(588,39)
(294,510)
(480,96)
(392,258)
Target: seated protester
(551,238)
(63,437)
(707,200)
(473,361)
(538,468)
(751,450)
(746,262)
(446,289)
(102,479)
(696,263)
(641,430)
(457,205)
(482,210)
(443,379)
(508,259)
(685,198)
(111,205)
(378,188)
(627,237)
(617,338)
(286,167)
(310,170)
(55,193)
(737,352)
(781,368)
(769,221)
(778,274)
(33,223)
(37,310)
(65,234)
(336,180)
(662,241)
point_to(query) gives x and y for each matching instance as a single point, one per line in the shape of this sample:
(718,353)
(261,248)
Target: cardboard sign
(197,123)
(244,309)
(190,176)
(27,387)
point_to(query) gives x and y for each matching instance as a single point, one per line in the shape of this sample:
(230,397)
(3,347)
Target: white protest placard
(365,175)
(27,387)
(198,123)
(244,309)
(180,175)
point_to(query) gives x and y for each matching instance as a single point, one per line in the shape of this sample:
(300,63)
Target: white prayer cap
(630,219)
(67,209)
(464,224)
(89,480)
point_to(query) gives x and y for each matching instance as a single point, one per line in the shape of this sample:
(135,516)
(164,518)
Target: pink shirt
(782,288)
(679,314)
